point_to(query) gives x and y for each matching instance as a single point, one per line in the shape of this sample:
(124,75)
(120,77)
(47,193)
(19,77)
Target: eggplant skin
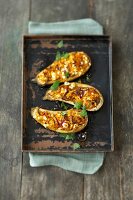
(74,92)
(65,69)
(69,121)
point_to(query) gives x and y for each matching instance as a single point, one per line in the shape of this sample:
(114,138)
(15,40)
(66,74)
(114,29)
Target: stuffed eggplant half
(77,93)
(69,121)
(67,68)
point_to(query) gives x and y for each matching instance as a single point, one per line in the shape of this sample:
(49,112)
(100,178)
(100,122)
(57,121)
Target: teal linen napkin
(85,163)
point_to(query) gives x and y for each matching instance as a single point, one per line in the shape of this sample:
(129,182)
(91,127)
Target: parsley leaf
(55,85)
(79,81)
(67,74)
(83,112)
(78,105)
(88,78)
(76,146)
(60,44)
(58,56)
(63,105)
(70,136)
(65,55)
(63,113)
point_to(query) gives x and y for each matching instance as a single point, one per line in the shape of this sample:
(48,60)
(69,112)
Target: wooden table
(18,181)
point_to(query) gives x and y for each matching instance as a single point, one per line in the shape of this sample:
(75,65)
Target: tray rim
(51,36)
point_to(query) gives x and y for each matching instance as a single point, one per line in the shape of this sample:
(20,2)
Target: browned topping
(54,120)
(72,92)
(64,69)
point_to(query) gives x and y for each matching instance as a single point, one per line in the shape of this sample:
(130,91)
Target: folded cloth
(85,163)
(74,27)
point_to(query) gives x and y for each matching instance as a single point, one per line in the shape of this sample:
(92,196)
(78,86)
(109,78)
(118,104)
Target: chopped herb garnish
(55,85)
(76,146)
(88,78)
(63,113)
(79,81)
(67,74)
(58,56)
(70,136)
(83,112)
(60,44)
(64,106)
(78,105)
(65,55)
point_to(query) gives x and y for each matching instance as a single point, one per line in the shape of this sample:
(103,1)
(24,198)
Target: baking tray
(38,52)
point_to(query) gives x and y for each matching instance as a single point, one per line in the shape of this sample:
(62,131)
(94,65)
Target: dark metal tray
(38,52)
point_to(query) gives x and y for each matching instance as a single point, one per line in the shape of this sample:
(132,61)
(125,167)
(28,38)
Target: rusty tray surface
(39,52)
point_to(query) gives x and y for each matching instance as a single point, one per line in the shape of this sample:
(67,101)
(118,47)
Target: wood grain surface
(18,181)
(115,179)
(13,21)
